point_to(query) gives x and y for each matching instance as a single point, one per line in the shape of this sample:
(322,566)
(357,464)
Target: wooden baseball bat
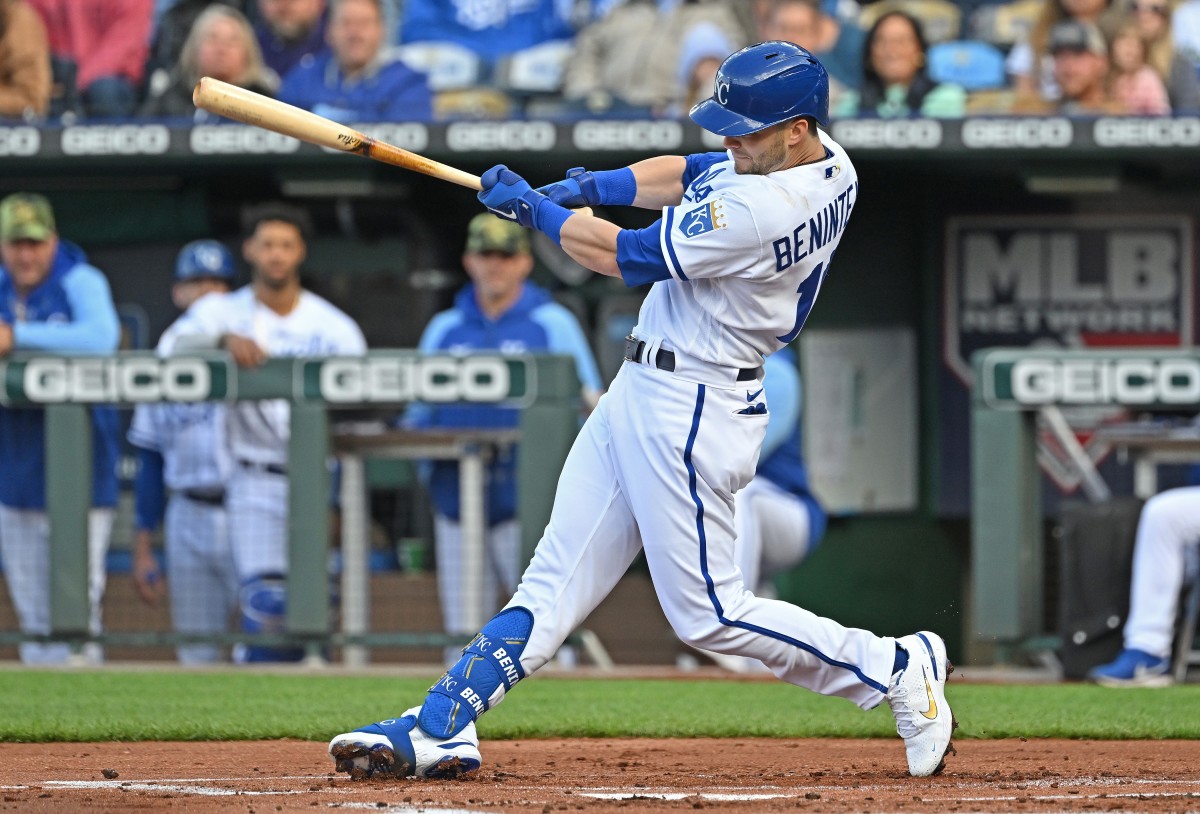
(255,109)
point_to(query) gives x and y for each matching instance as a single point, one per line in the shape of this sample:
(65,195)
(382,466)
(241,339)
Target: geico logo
(1182,132)
(348,381)
(919,133)
(20,140)
(409,136)
(503,136)
(984,133)
(99,380)
(228,139)
(123,139)
(1108,381)
(628,135)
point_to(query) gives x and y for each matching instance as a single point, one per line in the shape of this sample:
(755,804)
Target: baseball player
(51,300)
(1166,550)
(777,518)
(499,310)
(273,316)
(182,451)
(737,260)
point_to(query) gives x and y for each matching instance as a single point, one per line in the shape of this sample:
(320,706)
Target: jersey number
(808,295)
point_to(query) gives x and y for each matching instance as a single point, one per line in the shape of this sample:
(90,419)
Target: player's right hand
(147,577)
(245,351)
(576,190)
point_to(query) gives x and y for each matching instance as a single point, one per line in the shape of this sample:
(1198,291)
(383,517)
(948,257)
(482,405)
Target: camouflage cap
(488,233)
(26,216)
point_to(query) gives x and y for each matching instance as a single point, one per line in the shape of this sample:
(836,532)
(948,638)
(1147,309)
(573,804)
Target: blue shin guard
(489,667)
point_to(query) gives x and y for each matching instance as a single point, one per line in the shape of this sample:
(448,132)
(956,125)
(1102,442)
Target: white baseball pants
(202,580)
(656,466)
(257,508)
(25,548)
(1168,536)
(772,533)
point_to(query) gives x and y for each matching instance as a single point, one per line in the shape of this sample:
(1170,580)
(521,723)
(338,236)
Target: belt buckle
(634,348)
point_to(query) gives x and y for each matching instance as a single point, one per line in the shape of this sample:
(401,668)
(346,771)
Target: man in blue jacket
(51,301)
(354,81)
(498,311)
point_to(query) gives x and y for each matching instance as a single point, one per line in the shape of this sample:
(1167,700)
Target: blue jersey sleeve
(781,380)
(149,490)
(640,256)
(94,327)
(698,163)
(410,98)
(564,335)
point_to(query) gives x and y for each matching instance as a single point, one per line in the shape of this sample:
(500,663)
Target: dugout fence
(336,405)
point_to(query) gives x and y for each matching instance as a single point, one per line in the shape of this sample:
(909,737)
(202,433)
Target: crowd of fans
(419,60)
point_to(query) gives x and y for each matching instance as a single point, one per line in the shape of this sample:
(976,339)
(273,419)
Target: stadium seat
(940,20)
(1004,24)
(970,64)
(448,65)
(534,70)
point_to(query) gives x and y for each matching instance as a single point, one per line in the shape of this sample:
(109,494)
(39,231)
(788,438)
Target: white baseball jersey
(259,431)
(752,258)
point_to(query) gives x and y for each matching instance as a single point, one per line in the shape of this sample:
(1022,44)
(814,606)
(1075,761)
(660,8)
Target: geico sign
(100,380)
(347,381)
(1106,381)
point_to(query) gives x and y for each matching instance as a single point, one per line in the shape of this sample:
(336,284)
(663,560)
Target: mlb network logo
(702,220)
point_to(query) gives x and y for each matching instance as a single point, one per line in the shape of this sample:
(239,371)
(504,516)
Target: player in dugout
(737,260)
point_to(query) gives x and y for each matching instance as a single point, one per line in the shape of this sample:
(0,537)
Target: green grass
(120,705)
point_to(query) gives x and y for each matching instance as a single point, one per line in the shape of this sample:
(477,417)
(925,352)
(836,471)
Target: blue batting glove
(576,190)
(583,188)
(509,196)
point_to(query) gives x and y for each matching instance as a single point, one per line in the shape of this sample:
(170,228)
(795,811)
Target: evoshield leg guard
(489,667)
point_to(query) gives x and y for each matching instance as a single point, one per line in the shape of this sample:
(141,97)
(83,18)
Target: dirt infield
(612,775)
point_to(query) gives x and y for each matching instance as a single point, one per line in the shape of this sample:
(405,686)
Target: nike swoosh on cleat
(752,396)
(930,713)
(453,744)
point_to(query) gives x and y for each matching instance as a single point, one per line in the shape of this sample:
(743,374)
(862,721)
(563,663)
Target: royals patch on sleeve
(703,219)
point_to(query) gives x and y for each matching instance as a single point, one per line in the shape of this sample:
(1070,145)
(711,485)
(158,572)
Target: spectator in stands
(171,30)
(107,41)
(702,52)
(896,81)
(1185,26)
(491,30)
(24,62)
(222,45)
(1135,85)
(1080,56)
(1031,63)
(499,311)
(51,301)
(1153,18)
(629,61)
(354,80)
(838,45)
(291,32)
(1166,551)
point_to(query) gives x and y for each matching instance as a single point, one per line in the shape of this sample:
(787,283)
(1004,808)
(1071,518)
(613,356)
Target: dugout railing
(545,388)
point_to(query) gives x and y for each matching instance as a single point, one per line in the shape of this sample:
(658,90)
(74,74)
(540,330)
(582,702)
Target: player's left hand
(509,196)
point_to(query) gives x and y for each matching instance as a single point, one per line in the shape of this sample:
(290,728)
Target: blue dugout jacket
(534,324)
(782,457)
(390,92)
(71,312)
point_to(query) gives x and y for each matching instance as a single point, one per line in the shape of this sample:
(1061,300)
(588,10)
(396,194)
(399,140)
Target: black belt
(665,359)
(270,469)
(209,497)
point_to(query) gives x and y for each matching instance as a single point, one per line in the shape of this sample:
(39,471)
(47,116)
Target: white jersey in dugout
(259,430)
(769,238)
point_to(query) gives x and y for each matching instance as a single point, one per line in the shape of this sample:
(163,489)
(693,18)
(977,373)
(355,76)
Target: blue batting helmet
(762,85)
(204,259)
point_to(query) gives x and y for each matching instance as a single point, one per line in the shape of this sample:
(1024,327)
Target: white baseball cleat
(917,696)
(399,748)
